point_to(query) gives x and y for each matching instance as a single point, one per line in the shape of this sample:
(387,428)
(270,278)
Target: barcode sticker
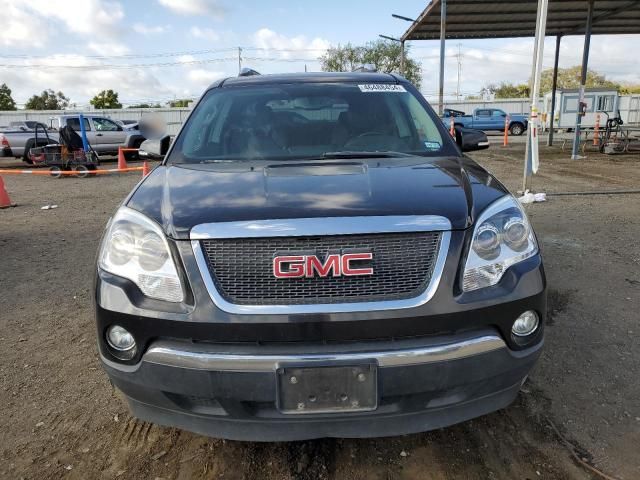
(381,87)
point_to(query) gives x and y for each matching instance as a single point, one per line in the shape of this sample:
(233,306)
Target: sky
(158,50)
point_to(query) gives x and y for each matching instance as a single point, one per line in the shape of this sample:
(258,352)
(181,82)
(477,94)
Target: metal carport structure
(484,19)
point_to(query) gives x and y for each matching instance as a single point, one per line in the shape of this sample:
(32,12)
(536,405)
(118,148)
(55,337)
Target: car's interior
(246,125)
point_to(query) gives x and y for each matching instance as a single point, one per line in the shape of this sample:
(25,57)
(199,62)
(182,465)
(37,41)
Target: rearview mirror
(155,149)
(470,140)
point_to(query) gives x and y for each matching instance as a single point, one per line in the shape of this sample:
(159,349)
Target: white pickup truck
(104,136)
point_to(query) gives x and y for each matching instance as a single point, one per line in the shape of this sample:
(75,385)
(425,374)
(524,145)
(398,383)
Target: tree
(145,105)
(182,102)
(383,54)
(570,78)
(629,88)
(106,99)
(47,100)
(509,90)
(6,100)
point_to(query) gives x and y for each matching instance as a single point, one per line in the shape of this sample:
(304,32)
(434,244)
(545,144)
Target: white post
(532,159)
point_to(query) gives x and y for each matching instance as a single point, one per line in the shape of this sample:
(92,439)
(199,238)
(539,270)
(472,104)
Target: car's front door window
(105,125)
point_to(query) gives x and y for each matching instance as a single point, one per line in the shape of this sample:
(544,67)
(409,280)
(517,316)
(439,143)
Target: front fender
(133,140)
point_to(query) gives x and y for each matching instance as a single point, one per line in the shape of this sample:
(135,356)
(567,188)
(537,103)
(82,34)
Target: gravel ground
(580,409)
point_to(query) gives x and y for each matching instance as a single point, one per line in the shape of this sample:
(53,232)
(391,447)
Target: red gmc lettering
(347,258)
(296,266)
(332,263)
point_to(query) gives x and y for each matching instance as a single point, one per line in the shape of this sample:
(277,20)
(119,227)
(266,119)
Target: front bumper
(213,372)
(230,391)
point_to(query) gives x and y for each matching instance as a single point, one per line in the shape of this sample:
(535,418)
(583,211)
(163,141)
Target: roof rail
(248,72)
(367,67)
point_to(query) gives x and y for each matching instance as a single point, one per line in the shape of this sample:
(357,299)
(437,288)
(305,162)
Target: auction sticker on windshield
(381,87)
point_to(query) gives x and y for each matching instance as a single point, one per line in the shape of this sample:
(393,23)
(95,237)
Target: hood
(179,197)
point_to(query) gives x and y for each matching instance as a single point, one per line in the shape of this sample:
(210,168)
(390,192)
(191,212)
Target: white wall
(173,116)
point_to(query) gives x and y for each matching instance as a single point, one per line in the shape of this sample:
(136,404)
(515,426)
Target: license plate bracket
(327,389)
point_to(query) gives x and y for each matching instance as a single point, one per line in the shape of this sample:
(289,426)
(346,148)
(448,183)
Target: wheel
(516,129)
(55,172)
(81,171)
(25,156)
(133,156)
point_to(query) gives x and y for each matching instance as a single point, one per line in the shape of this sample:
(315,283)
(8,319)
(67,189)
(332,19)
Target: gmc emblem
(335,265)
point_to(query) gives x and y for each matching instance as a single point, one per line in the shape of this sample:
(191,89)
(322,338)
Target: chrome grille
(241,268)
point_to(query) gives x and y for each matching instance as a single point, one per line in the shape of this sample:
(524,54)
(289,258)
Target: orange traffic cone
(596,132)
(5,201)
(122,163)
(145,169)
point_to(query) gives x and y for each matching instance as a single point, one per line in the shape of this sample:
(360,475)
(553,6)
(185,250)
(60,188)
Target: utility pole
(459,56)
(239,59)
(531,160)
(443,27)
(402,40)
(583,81)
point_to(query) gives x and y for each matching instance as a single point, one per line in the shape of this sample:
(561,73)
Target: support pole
(583,81)
(531,156)
(239,59)
(443,28)
(554,86)
(402,58)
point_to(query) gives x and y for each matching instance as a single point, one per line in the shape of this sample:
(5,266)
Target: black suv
(315,257)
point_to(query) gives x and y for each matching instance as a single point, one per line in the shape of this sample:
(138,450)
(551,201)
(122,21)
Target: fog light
(525,324)
(120,339)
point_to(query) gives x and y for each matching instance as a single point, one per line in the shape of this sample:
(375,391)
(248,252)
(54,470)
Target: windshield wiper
(359,154)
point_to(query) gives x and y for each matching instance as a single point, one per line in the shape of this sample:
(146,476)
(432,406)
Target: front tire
(25,156)
(516,129)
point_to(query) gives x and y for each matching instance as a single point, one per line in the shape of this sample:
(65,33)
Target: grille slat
(242,268)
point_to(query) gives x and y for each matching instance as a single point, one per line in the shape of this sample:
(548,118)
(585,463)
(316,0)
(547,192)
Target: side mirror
(155,148)
(470,140)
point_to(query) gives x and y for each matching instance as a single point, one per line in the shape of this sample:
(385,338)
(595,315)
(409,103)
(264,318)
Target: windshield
(309,120)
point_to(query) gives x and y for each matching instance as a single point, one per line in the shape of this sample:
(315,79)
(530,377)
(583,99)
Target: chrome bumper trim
(200,357)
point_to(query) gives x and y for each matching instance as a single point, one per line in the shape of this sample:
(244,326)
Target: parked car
(151,148)
(28,125)
(128,124)
(104,135)
(488,119)
(316,257)
(450,112)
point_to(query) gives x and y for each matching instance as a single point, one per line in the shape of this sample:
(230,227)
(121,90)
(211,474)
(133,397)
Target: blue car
(487,119)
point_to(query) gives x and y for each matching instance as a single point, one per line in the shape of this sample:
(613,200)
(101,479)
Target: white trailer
(597,100)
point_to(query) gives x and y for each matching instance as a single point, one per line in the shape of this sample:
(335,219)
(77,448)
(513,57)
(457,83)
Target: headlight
(135,247)
(502,237)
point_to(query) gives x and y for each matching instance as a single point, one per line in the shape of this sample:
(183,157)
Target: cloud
(143,29)
(87,17)
(108,48)
(290,46)
(211,8)
(203,78)
(80,84)
(186,58)
(486,62)
(204,33)
(19,25)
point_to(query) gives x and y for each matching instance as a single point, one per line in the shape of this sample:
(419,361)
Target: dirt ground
(580,409)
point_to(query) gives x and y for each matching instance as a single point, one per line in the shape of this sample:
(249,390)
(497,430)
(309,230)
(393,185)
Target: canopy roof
(509,18)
